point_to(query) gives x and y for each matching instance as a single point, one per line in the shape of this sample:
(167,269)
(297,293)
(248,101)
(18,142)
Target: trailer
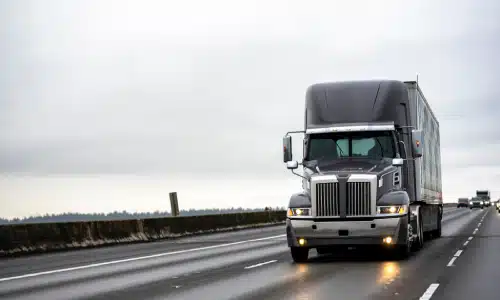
(371,169)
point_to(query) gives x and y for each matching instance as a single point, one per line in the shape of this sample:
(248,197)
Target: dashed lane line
(430,291)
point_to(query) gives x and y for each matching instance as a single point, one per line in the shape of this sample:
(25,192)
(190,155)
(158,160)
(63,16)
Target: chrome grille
(358,199)
(327,199)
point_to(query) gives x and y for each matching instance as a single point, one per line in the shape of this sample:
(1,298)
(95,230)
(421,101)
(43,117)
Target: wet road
(255,264)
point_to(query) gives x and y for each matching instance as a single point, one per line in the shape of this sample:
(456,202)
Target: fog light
(302,242)
(388,240)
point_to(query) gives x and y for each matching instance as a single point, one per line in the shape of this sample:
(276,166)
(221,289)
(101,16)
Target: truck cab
(362,171)
(484,195)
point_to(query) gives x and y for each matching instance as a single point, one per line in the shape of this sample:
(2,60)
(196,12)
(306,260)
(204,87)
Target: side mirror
(417,145)
(398,162)
(292,165)
(287,148)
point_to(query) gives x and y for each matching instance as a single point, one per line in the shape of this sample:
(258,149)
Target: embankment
(21,239)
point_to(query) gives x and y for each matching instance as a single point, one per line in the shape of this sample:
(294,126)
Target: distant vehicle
(365,180)
(476,202)
(497,206)
(463,202)
(485,196)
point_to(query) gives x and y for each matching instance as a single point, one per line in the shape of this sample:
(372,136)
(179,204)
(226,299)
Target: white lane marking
(466,242)
(479,224)
(458,253)
(261,264)
(451,262)
(470,238)
(430,291)
(136,259)
(475,230)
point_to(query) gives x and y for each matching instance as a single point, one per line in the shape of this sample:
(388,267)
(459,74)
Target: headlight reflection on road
(389,271)
(302,290)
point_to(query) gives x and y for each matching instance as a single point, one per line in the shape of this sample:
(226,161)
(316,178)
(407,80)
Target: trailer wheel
(436,233)
(299,255)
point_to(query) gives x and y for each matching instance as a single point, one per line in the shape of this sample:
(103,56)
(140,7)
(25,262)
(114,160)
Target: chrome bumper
(345,232)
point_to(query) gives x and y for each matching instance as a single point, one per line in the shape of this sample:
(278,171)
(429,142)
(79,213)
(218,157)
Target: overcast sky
(110,105)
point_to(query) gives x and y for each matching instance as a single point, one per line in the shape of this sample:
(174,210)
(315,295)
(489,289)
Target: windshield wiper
(340,149)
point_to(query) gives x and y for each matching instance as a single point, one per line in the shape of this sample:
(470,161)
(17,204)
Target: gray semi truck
(484,195)
(371,169)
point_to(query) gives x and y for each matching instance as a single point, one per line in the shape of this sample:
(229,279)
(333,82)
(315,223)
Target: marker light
(302,242)
(417,142)
(388,240)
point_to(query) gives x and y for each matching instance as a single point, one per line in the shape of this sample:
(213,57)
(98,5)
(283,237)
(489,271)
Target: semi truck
(371,169)
(484,195)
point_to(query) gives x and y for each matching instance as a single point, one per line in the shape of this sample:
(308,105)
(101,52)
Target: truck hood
(355,166)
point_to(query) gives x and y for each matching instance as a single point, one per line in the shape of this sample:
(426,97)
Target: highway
(255,264)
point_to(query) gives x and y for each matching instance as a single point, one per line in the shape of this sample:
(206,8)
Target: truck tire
(417,245)
(436,233)
(404,251)
(299,255)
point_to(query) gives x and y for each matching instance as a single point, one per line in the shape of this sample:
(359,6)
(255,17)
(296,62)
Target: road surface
(255,264)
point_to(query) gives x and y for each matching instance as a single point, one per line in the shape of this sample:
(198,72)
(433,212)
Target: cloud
(149,87)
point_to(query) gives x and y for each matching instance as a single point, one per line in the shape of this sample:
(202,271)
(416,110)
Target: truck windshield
(366,144)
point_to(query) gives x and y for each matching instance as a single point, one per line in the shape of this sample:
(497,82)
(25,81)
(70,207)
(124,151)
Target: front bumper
(318,233)
(476,205)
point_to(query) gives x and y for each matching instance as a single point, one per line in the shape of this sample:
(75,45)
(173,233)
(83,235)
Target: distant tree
(123,215)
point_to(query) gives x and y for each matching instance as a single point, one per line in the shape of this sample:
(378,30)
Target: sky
(110,105)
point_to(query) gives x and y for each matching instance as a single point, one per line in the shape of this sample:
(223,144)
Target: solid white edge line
(451,262)
(261,264)
(458,253)
(430,291)
(136,258)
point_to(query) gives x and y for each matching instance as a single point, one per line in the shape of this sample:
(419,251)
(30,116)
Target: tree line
(124,215)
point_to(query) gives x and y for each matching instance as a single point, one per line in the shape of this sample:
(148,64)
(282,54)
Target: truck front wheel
(403,252)
(299,254)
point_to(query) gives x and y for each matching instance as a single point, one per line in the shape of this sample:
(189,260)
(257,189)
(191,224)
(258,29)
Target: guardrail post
(174,204)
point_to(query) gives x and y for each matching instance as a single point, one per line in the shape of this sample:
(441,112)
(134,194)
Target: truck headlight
(298,212)
(392,210)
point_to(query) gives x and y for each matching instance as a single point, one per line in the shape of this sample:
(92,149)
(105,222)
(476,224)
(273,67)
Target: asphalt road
(255,264)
